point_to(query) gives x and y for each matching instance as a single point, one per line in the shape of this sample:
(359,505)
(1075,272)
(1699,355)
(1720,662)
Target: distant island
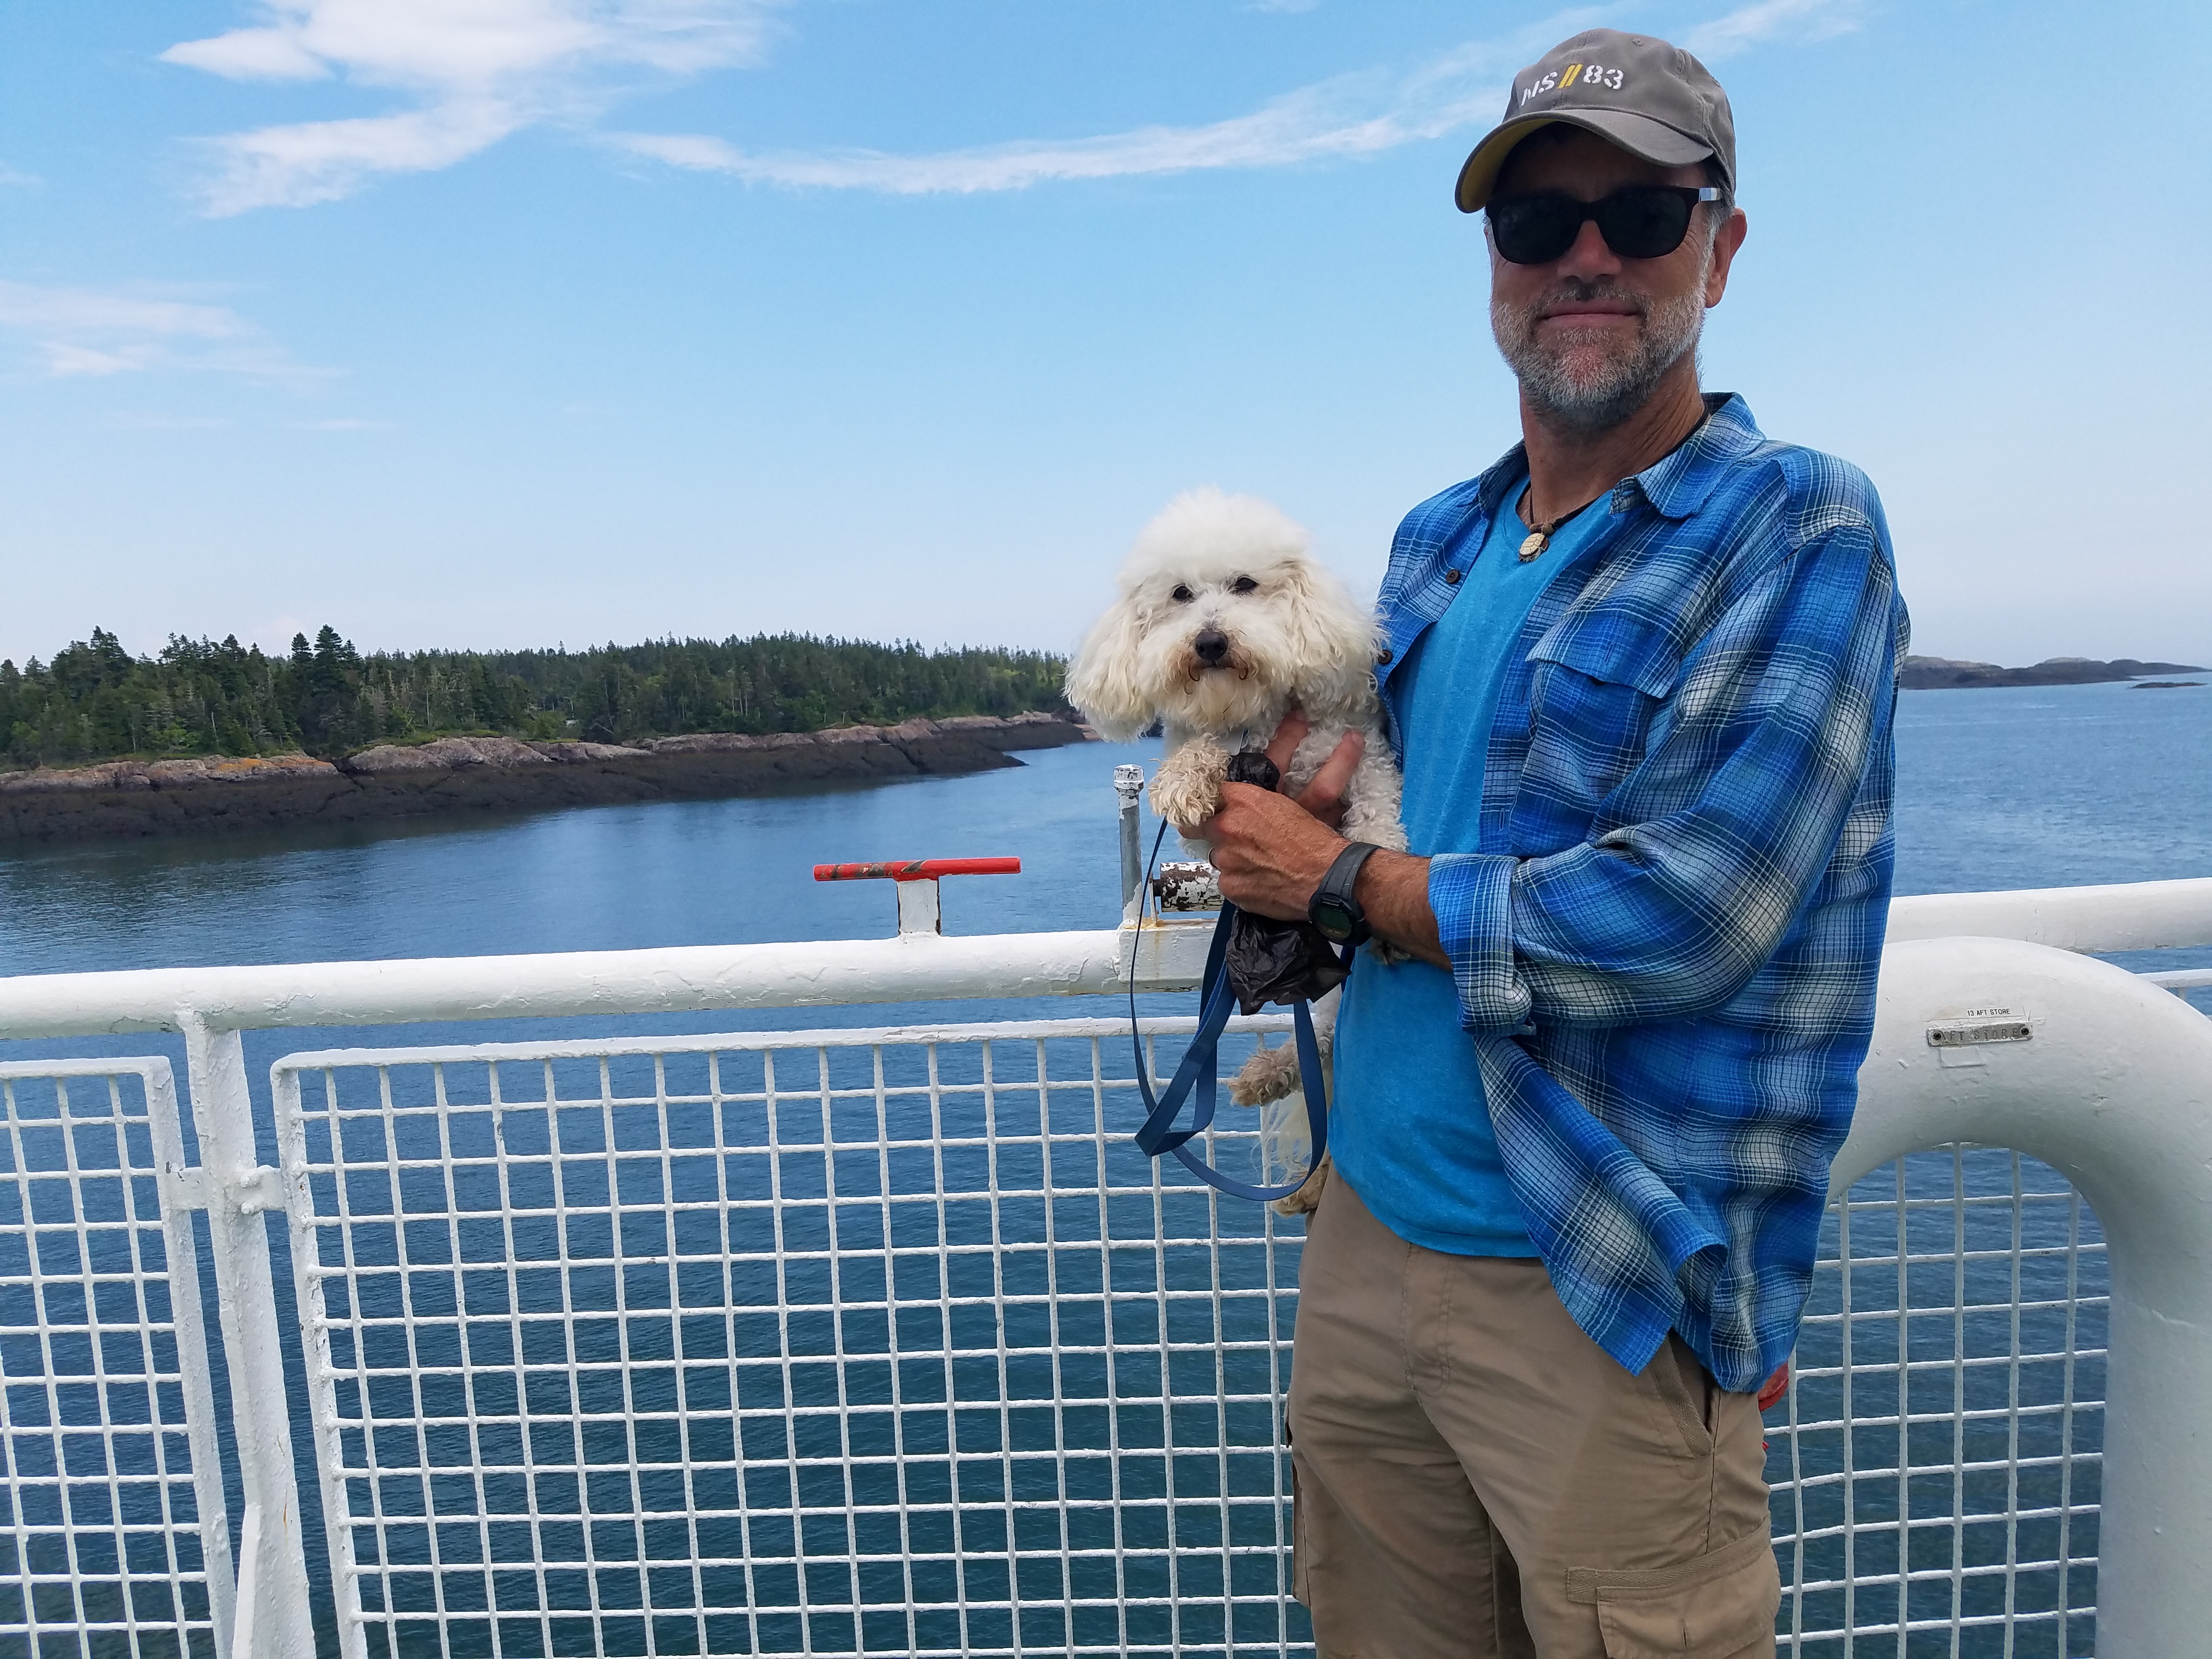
(208,736)
(137,798)
(1948,673)
(94,700)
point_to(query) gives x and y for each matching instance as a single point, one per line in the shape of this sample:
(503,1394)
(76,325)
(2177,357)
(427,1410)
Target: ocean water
(2009,787)
(1996,789)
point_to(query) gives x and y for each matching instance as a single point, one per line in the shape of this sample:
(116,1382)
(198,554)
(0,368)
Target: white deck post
(1128,786)
(918,911)
(2112,1087)
(185,1307)
(272,1621)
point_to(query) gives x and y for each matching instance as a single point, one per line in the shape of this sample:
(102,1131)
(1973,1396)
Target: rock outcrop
(152,798)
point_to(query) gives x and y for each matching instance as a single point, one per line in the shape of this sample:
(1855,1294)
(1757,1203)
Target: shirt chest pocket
(1595,692)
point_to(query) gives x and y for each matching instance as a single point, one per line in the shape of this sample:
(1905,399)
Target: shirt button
(1452,578)
(1383,657)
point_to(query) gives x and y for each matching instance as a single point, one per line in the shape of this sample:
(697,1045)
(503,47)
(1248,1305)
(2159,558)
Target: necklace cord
(1547,530)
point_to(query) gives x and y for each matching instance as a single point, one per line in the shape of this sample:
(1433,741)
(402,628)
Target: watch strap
(1336,890)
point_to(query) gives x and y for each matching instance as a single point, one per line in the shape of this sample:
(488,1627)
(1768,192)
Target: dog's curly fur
(1222,623)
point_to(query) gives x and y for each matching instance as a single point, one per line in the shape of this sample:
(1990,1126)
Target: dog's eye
(1242,584)
(1181,595)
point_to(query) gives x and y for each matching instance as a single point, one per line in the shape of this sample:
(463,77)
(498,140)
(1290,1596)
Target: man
(1641,675)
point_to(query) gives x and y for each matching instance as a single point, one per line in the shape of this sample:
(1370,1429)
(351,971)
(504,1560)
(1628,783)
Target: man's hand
(1324,796)
(1272,850)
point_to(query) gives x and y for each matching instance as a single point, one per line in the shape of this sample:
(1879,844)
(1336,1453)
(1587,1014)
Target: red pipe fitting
(918,870)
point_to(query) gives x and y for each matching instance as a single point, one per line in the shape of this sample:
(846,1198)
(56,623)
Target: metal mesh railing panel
(102,1548)
(890,1342)
(865,1343)
(1935,1468)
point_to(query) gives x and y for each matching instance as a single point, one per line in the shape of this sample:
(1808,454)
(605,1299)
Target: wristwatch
(1333,909)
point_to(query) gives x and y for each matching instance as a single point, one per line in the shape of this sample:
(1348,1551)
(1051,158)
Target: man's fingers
(1325,794)
(1288,736)
(1211,829)
(1231,807)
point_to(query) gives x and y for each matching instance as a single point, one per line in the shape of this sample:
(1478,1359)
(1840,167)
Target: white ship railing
(961,1372)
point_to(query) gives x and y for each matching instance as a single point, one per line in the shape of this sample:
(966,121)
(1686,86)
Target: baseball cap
(1652,98)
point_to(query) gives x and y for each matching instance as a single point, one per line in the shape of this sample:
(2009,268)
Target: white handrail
(910,968)
(2136,915)
(914,967)
(2112,1087)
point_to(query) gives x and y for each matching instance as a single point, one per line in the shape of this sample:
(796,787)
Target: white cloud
(344,423)
(16,179)
(85,332)
(1348,116)
(1767,20)
(63,359)
(477,71)
(323,161)
(446,44)
(75,311)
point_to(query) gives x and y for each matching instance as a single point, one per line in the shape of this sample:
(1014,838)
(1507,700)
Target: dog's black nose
(1211,646)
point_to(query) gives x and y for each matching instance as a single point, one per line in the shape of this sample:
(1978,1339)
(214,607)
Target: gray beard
(1589,398)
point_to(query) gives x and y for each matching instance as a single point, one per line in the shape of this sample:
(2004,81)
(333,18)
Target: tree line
(94,700)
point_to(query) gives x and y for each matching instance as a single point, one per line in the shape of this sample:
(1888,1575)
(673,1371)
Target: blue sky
(506,322)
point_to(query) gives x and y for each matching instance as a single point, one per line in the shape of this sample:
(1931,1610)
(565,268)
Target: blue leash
(1198,1074)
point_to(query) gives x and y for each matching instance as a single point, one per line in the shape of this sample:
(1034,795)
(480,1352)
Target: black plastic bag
(1272,961)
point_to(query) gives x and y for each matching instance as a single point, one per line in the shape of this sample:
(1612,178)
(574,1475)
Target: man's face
(1591,334)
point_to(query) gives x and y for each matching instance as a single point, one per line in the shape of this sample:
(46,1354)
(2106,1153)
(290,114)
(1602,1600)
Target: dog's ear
(1101,680)
(1333,640)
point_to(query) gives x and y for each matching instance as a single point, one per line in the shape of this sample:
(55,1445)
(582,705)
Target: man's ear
(1101,680)
(1726,241)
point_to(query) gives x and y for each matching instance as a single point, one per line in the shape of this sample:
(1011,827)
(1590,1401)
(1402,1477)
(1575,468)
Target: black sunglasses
(1642,222)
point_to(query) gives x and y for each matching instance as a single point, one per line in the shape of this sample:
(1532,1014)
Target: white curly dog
(1222,622)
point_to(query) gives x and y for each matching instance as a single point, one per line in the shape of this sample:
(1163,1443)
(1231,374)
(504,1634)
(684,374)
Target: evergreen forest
(94,700)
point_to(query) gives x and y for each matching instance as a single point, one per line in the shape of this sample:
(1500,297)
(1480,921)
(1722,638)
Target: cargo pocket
(1301,1546)
(1711,1607)
(1596,690)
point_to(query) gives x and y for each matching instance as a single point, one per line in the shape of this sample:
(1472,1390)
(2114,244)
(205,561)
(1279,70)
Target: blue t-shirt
(1408,1125)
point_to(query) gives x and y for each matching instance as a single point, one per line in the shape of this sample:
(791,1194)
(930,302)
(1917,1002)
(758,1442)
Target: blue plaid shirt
(1665,949)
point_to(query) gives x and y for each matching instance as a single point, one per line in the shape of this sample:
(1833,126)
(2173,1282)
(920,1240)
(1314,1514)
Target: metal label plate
(1971,1033)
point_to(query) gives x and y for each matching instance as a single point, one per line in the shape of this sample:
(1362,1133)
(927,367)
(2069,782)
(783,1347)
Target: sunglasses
(1642,222)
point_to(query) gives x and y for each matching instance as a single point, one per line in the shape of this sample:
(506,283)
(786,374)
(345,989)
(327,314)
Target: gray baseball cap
(1652,98)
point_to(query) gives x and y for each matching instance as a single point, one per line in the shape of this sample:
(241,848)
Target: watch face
(1334,920)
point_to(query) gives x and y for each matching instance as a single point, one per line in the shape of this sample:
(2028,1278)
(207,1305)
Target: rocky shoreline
(171,796)
(1952,674)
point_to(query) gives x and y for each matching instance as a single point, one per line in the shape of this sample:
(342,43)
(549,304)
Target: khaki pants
(1475,1477)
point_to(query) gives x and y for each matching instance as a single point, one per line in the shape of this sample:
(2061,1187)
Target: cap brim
(1639,135)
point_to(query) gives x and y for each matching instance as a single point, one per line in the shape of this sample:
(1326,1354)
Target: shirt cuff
(1471,894)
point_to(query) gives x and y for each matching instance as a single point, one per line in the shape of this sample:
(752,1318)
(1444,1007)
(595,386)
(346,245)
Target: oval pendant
(1535,544)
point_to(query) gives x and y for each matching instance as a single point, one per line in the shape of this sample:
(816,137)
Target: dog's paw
(1307,1198)
(1187,789)
(1270,1074)
(1388,954)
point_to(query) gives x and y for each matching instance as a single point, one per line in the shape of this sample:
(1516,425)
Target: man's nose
(1591,255)
(1211,646)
